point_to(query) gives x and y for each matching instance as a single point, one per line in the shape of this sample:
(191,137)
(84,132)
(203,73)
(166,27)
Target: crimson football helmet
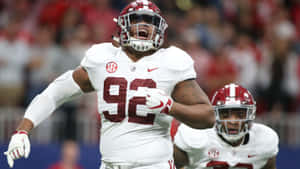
(233,98)
(141,14)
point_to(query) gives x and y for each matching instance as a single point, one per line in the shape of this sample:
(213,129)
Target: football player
(140,87)
(234,142)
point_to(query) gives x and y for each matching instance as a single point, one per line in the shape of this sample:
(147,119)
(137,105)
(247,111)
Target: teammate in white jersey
(235,142)
(140,88)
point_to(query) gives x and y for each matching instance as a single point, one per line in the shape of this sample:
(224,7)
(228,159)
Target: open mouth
(143,34)
(233,131)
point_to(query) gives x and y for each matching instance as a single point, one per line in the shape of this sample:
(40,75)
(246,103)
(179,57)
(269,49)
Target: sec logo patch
(111,67)
(213,153)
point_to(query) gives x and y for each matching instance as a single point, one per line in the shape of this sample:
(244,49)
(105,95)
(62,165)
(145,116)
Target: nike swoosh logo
(159,106)
(150,70)
(250,156)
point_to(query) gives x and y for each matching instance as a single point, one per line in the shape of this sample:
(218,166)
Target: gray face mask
(142,41)
(233,123)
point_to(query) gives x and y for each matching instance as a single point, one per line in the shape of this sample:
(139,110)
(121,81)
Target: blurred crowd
(255,43)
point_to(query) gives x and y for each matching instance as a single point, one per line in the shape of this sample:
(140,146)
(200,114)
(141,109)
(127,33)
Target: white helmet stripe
(232,90)
(145,2)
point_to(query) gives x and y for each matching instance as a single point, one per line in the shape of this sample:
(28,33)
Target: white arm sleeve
(62,89)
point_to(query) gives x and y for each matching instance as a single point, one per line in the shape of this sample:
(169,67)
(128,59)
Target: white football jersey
(130,134)
(206,150)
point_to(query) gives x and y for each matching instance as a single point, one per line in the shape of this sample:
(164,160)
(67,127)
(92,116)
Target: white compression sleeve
(62,89)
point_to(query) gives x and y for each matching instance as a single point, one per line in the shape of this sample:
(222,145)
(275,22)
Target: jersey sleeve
(94,60)
(193,142)
(271,143)
(182,64)
(188,70)
(274,144)
(180,140)
(187,138)
(90,64)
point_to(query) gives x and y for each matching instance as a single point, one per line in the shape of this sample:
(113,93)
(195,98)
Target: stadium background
(255,43)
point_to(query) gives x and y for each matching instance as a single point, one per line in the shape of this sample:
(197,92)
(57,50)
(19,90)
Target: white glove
(19,146)
(156,100)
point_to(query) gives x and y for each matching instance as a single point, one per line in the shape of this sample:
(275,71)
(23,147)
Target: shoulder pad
(98,53)
(176,59)
(267,139)
(188,138)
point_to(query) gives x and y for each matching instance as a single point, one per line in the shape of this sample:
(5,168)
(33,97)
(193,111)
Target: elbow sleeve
(61,90)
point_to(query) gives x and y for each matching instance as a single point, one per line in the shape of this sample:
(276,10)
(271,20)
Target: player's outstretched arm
(271,163)
(191,105)
(180,157)
(63,89)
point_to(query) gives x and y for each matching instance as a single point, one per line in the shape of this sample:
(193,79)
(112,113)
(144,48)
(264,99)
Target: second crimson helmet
(233,97)
(131,15)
